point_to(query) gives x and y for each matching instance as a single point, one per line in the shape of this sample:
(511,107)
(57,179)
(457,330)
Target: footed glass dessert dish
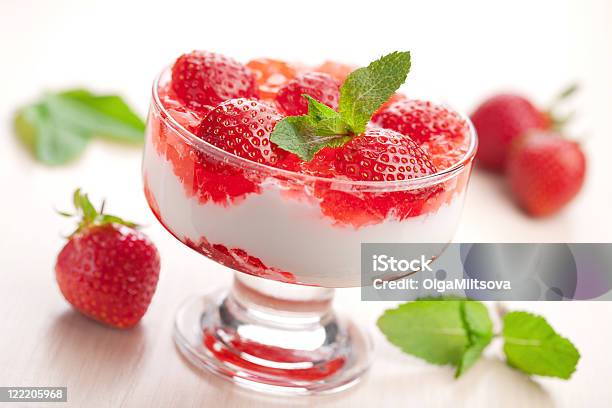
(291,234)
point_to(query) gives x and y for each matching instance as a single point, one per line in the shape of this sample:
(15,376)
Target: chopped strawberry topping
(186,117)
(271,75)
(239,260)
(202,174)
(336,69)
(406,139)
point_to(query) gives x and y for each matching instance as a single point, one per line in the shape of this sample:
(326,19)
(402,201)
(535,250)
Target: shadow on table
(84,351)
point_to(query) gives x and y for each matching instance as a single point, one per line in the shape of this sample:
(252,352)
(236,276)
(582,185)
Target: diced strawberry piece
(202,174)
(240,260)
(271,75)
(186,117)
(336,69)
(348,208)
(322,87)
(323,164)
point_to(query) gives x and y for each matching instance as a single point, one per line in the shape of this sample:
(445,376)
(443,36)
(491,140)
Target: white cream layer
(290,234)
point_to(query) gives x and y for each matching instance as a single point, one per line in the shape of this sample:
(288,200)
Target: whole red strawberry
(498,121)
(545,172)
(270,75)
(108,270)
(203,79)
(421,120)
(242,127)
(382,155)
(440,132)
(376,155)
(322,87)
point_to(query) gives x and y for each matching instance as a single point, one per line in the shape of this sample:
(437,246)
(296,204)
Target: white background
(462,51)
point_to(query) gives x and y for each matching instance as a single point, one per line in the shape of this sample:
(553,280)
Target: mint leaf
(106,116)
(319,111)
(325,120)
(58,127)
(301,135)
(439,331)
(533,346)
(49,141)
(365,89)
(479,328)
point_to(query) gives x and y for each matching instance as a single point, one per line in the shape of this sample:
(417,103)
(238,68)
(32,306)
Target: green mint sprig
(58,127)
(362,93)
(456,331)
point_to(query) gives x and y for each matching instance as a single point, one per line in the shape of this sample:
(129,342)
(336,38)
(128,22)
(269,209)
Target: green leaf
(532,345)
(332,127)
(89,216)
(104,116)
(361,94)
(365,89)
(49,141)
(306,135)
(57,128)
(439,331)
(570,90)
(326,121)
(298,134)
(560,121)
(113,219)
(479,328)
(318,111)
(84,206)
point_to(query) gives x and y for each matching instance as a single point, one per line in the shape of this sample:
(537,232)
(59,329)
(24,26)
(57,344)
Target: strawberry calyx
(89,216)
(556,120)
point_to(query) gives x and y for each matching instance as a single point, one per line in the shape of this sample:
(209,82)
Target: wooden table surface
(536,47)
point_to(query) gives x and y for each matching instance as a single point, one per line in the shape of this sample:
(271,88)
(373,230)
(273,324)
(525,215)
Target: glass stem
(271,300)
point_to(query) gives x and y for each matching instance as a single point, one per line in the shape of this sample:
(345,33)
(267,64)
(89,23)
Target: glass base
(273,337)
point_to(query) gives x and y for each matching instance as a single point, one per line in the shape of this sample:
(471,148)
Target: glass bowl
(290,238)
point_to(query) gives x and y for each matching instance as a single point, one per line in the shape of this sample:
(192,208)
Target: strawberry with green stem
(503,118)
(108,270)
